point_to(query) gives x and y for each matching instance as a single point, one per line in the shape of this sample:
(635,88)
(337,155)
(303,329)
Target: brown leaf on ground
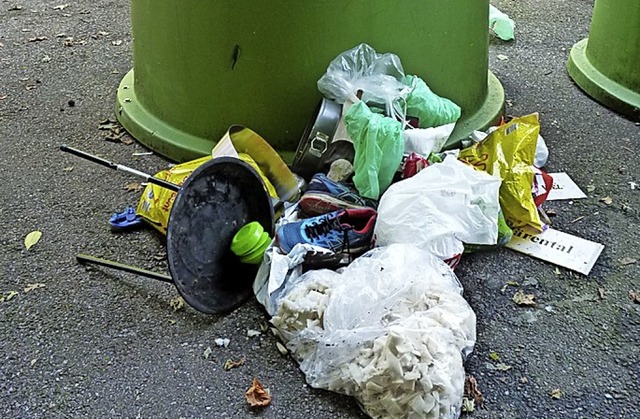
(607,200)
(601,293)
(634,296)
(230,363)
(256,395)
(522,299)
(556,393)
(628,261)
(176,303)
(471,390)
(31,287)
(133,187)
(7,296)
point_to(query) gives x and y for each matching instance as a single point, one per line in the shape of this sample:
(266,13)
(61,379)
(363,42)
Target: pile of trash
(359,278)
(373,217)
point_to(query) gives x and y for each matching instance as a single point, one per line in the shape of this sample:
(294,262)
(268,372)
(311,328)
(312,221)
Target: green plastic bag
(430,109)
(378,145)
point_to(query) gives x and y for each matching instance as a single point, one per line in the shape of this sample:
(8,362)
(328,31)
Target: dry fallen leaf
(607,200)
(133,187)
(591,188)
(502,57)
(556,393)
(207,353)
(628,261)
(32,238)
(176,303)
(253,333)
(37,39)
(7,296)
(126,141)
(283,350)
(471,390)
(601,293)
(70,42)
(230,363)
(31,287)
(468,405)
(523,299)
(256,395)
(634,296)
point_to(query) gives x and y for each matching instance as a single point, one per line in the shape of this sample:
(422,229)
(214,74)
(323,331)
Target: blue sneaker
(342,231)
(324,196)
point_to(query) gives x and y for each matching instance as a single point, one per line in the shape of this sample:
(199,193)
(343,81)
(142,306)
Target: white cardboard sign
(564,188)
(558,248)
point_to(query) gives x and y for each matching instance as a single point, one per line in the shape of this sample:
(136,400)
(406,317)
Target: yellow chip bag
(156,202)
(508,153)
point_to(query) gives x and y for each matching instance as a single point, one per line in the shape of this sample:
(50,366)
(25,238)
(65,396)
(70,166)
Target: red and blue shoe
(324,196)
(344,231)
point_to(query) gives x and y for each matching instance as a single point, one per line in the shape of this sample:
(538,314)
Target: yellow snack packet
(508,153)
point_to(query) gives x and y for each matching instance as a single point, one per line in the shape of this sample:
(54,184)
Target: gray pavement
(99,343)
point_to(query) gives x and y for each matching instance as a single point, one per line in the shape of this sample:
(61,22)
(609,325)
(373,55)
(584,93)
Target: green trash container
(606,65)
(201,66)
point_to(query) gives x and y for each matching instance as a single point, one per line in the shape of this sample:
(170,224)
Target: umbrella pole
(82,258)
(114,166)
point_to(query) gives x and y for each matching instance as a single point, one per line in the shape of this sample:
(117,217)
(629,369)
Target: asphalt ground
(100,343)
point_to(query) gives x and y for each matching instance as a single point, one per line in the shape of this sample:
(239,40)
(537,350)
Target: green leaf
(32,238)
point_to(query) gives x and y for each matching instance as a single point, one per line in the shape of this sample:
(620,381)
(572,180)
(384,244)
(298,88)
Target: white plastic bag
(439,208)
(425,141)
(391,329)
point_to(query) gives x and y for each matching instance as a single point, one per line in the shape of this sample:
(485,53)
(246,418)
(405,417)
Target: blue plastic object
(126,221)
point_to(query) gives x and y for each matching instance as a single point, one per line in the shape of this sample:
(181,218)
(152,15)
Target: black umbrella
(216,200)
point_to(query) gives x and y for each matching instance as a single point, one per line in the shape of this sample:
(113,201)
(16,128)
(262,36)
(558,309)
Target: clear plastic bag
(439,208)
(377,76)
(391,329)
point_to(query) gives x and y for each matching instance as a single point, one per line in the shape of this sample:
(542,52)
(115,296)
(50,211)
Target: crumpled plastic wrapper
(391,330)
(439,208)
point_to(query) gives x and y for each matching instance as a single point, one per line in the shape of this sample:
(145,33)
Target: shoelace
(327,224)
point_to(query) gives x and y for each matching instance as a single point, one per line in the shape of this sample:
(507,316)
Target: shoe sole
(313,204)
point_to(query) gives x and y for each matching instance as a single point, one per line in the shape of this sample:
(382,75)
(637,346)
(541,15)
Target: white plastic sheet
(439,208)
